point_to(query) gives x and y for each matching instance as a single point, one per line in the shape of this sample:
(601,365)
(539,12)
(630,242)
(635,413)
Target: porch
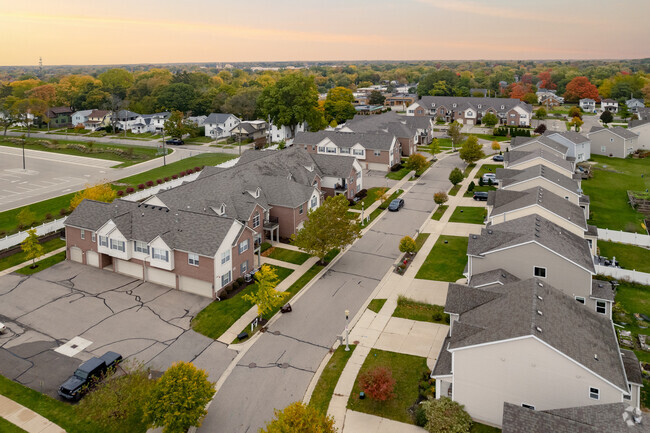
(272,229)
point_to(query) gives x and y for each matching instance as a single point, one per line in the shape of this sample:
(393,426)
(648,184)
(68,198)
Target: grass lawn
(420,240)
(413,310)
(445,262)
(468,169)
(291,256)
(322,395)
(629,256)
(63,414)
(18,258)
(406,370)
(454,189)
(399,174)
(376,304)
(487,168)
(477,427)
(608,192)
(477,188)
(491,137)
(216,318)
(43,264)
(469,215)
(202,139)
(440,211)
(7,427)
(373,196)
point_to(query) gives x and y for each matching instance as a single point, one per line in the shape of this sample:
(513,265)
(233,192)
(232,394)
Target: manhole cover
(275,332)
(252,365)
(284,365)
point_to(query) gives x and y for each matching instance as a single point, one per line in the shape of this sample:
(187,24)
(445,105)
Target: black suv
(175,141)
(87,374)
(480,195)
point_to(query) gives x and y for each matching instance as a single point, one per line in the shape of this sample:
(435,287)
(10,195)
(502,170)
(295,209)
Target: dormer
(256,193)
(479,106)
(289,176)
(433,105)
(503,107)
(310,168)
(221,210)
(454,105)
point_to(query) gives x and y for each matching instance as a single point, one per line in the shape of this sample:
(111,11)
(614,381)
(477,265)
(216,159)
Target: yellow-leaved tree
(266,298)
(299,417)
(101,191)
(31,247)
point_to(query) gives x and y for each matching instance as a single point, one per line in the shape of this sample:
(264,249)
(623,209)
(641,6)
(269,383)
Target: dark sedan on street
(175,141)
(396,205)
(480,196)
(498,158)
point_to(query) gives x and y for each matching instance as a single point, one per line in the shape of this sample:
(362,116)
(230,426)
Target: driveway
(279,366)
(100,309)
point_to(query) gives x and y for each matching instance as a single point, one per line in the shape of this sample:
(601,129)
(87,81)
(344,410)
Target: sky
(90,32)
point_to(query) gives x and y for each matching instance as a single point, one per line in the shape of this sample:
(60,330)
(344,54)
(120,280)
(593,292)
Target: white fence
(45,228)
(624,237)
(624,274)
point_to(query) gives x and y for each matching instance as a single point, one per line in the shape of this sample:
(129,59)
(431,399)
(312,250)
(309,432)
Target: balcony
(271,223)
(341,187)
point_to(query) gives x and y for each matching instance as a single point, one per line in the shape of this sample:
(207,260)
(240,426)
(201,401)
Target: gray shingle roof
(218,117)
(572,136)
(443,363)
(396,124)
(635,123)
(617,130)
(375,141)
(490,278)
(473,102)
(632,367)
(521,142)
(509,177)
(532,228)
(516,157)
(602,290)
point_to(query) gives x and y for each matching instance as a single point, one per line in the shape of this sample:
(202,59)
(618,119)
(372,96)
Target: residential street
(279,366)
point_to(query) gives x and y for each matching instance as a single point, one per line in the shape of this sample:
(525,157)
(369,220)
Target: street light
(347,332)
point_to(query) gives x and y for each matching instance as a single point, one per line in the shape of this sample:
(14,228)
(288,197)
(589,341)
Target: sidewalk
(26,419)
(22,265)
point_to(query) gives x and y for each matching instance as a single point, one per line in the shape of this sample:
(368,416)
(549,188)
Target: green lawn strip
(491,137)
(399,174)
(629,256)
(322,395)
(43,264)
(406,370)
(468,169)
(468,215)
(202,139)
(373,196)
(18,258)
(413,310)
(445,262)
(7,427)
(477,188)
(216,318)
(440,211)
(454,189)
(392,197)
(53,206)
(376,304)
(477,427)
(612,178)
(63,414)
(645,394)
(487,168)
(420,240)
(291,256)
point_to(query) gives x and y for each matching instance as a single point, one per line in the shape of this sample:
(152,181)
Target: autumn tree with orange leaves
(580,88)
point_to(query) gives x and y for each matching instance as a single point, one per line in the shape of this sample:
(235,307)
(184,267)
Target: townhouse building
(578,146)
(521,160)
(616,142)
(410,131)
(642,129)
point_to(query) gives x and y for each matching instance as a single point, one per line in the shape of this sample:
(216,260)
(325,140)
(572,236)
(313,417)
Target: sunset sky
(157,31)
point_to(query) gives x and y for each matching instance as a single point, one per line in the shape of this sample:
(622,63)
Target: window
(302,209)
(580,299)
(193,259)
(225,278)
(243,268)
(83,234)
(603,148)
(345,150)
(256,220)
(160,254)
(479,105)
(528,406)
(611,140)
(331,150)
(512,115)
(594,393)
(314,202)
(243,246)
(358,152)
(321,149)
(141,247)
(540,272)
(117,245)
(627,397)
(92,236)
(103,241)
(601,307)
(377,152)
(225,257)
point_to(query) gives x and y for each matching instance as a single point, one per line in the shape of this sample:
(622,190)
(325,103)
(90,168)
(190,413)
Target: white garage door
(161,277)
(76,255)
(198,287)
(92,258)
(128,268)
(469,121)
(376,166)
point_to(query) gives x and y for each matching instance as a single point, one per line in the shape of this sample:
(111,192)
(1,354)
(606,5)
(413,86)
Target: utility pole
(164,148)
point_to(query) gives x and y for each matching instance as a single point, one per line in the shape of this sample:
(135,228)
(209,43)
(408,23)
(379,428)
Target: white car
(490,176)
(3,328)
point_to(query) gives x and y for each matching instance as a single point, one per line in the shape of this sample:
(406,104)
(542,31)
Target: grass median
(322,395)
(18,258)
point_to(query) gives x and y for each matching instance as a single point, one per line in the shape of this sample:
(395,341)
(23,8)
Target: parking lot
(103,310)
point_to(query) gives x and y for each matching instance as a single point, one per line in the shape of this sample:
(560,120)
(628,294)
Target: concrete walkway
(23,264)
(26,419)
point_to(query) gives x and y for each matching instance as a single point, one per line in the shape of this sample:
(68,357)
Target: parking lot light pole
(347,331)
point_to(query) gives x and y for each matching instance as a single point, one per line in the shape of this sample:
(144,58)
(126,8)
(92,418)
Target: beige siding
(522,371)
(607,143)
(509,216)
(537,161)
(547,185)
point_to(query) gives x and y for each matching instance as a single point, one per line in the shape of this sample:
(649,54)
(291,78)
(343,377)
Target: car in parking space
(480,196)
(498,158)
(87,375)
(490,177)
(175,141)
(396,205)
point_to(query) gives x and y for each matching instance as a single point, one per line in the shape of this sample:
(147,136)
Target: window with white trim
(594,393)
(141,247)
(93,237)
(357,152)
(193,259)
(243,246)
(377,152)
(331,150)
(314,202)
(345,150)
(117,245)
(627,397)
(601,307)
(603,148)
(83,234)
(321,149)
(103,241)
(580,299)
(302,209)
(225,257)
(243,268)
(226,278)
(160,254)
(539,272)
(256,220)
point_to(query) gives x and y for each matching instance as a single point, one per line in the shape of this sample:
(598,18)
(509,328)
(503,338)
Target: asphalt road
(278,368)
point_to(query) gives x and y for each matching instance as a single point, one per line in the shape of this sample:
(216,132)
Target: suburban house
(615,141)
(60,117)
(255,130)
(579,146)
(127,119)
(399,101)
(98,119)
(609,105)
(197,120)
(410,131)
(528,144)
(528,344)
(219,125)
(548,98)
(588,105)
(80,117)
(642,128)
(542,176)
(470,110)
(521,160)
(634,104)
(156,122)
(283,133)
(378,151)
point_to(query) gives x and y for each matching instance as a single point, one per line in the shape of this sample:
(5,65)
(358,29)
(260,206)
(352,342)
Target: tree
(326,228)
(300,418)
(446,416)
(8,113)
(471,151)
(490,119)
(177,401)
(540,113)
(101,191)
(31,247)
(440,197)
(176,125)
(292,100)
(266,298)
(338,105)
(530,98)
(116,81)
(456,176)
(545,81)
(376,98)
(243,104)
(434,147)
(576,122)
(416,162)
(606,117)
(377,383)
(580,88)
(541,128)
(496,146)
(407,245)
(575,112)
(454,132)
(26,217)
(28,110)
(177,96)
(624,112)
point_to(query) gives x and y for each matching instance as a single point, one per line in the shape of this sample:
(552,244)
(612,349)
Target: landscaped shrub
(48,216)
(378,383)
(150,183)
(166,179)
(396,167)
(540,129)
(471,186)
(189,171)
(446,416)
(120,193)
(63,212)
(174,176)
(129,190)
(159,181)
(440,197)
(141,186)
(181,174)
(240,280)
(197,168)
(362,194)
(235,285)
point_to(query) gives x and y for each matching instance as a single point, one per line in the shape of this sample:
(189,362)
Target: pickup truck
(88,374)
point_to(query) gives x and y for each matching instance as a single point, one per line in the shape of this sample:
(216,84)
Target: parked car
(480,196)
(88,373)
(487,177)
(396,205)
(498,158)
(175,141)
(3,328)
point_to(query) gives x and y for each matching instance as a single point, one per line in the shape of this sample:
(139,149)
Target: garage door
(161,277)
(76,255)
(469,121)
(92,258)
(376,166)
(198,287)
(128,268)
